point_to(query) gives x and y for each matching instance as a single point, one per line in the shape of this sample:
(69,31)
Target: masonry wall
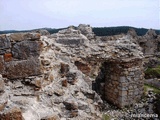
(19,54)
(124,82)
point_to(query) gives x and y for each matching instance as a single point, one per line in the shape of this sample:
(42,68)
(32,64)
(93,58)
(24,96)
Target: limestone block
(4,42)
(21,69)
(23,50)
(1,64)
(16,37)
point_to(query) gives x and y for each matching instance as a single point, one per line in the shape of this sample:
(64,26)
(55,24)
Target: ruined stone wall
(124,82)
(19,54)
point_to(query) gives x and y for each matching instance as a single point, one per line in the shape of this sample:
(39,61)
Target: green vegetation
(147,87)
(153,72)
(106,117)
(99,31)
(107,31)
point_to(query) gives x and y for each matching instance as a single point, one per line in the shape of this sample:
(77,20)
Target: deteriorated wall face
(124,82)
(19,54)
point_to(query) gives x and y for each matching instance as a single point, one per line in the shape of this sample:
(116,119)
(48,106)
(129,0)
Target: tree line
(99,31)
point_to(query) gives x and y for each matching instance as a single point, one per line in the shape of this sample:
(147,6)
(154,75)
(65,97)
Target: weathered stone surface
(26,49)
(85,68)
(1,85)
(45,62)
(21,69)
(64,83)
(86,30)
(70,104)
(64,68)
(24,36)
(132,33)
(123,93)
(124,82)
(1,64)
(2,106)
(121,55)
(70,37)
(75,41)
(4,42)
(71,78)
(59,92)
(88,93)
(37,82)
(52,117)
(42,32)
(13,114)
(7,57)
(82,105)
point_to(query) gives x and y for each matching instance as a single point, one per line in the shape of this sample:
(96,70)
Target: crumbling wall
(19,54)
(124,82)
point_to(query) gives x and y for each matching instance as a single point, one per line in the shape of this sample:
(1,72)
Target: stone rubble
(50,77)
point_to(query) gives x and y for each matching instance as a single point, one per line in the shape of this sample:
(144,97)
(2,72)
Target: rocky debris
(46,62)
(153,82)
(13,114)
(1,64)
(145,106)
(8,57)
(87,31)
(42,32)
(52,75)
(132,33)
(5,44)
(149,43)
(2,106)
(84,67)
(151,33)
(52,117)
(70,104)
(59,92)
(64,83)
(71,78)
(2,85)
(157,105)
(64,68)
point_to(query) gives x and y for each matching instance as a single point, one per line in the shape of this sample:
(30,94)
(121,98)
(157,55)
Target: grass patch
(155,90)
(153,72)
(106,117)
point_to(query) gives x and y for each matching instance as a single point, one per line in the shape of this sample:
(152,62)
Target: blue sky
(30,14)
